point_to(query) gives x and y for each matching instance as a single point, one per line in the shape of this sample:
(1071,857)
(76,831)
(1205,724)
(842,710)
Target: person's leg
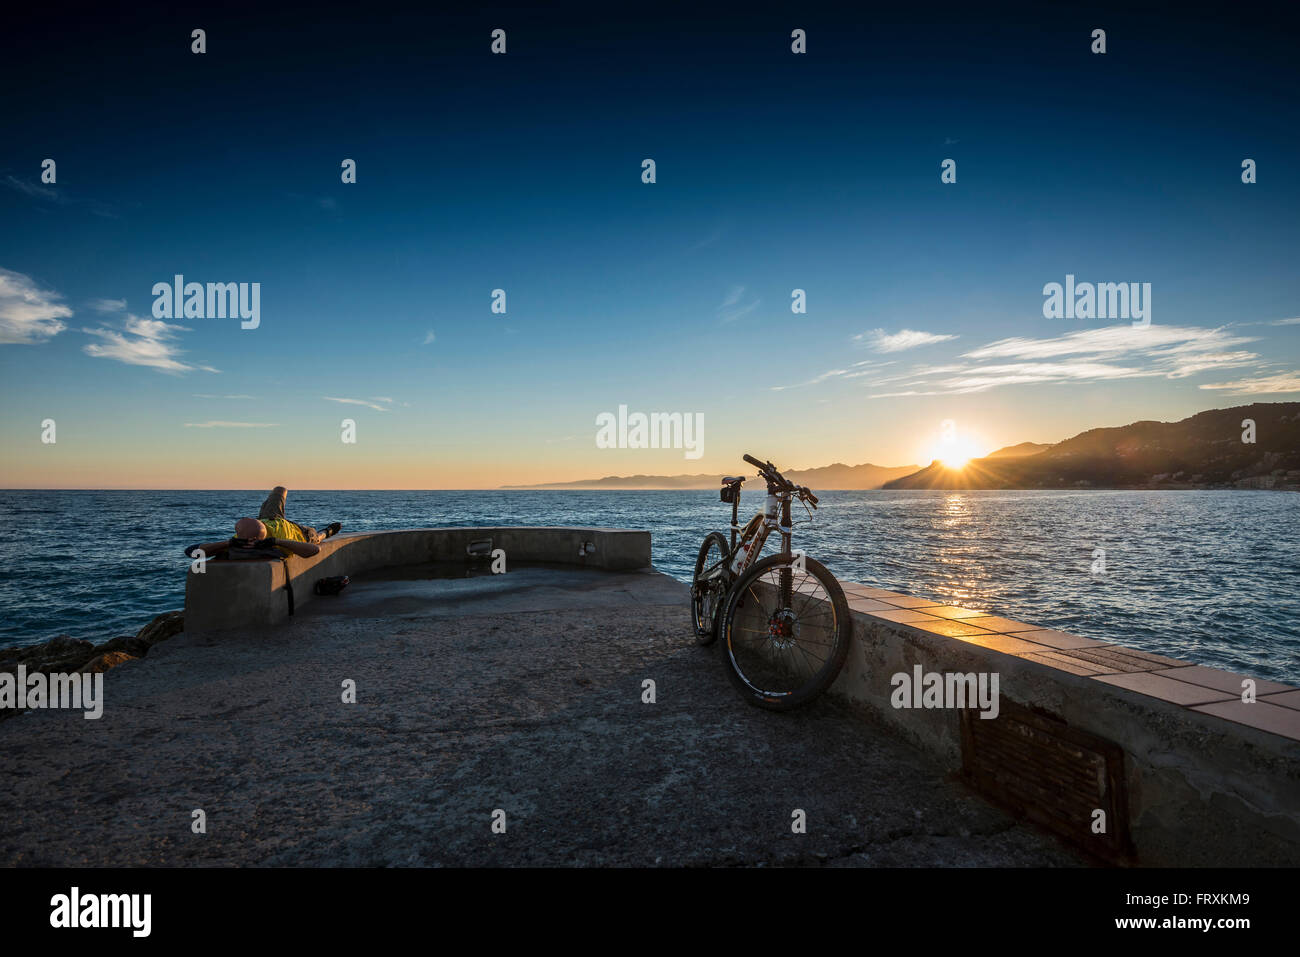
(273,507)
(309,533)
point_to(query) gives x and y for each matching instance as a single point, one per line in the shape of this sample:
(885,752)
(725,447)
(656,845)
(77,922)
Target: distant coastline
(1249,447)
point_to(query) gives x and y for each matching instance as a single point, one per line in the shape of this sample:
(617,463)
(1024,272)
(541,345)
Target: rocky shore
(64,654)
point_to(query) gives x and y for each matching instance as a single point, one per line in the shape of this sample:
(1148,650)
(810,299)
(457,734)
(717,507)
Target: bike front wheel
(786,632)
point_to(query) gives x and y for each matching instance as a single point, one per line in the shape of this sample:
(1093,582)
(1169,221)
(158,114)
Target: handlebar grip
(811,497)
(754,462)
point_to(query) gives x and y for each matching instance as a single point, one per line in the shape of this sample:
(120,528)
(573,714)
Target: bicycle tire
(707,635)
(756,658)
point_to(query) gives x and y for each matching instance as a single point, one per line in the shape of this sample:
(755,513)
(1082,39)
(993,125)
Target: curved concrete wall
(243,594)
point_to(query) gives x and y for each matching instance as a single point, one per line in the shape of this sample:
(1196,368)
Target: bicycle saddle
(733,480)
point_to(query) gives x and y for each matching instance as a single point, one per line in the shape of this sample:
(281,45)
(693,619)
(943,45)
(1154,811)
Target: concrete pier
(521,692)
(571,698)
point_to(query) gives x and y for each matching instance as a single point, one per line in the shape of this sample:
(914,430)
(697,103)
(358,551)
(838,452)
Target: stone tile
(1064,663)
(1105,664)
(907,601)
(1266,717)
(1060,639)
(1166,689)
(1140,661)
(993,623)
(868,592)
(903,615)
(953,611)
(1222,680)
(953,629)
(1149,656)
(1287,699)
(1009,644)
(868,604)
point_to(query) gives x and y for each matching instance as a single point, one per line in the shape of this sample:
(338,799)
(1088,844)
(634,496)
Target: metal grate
(1038,767)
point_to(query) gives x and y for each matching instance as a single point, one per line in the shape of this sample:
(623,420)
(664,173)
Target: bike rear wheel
(709,587)
(786,632)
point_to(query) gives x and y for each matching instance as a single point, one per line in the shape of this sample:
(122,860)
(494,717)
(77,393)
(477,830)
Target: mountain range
(1219,447)
(1210,449)
(827,476)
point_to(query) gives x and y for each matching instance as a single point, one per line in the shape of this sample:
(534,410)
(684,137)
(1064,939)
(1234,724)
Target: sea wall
(1196,776)
(244,594)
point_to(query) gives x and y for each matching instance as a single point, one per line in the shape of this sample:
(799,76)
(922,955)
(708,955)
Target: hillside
(1203,450)
(1016,451)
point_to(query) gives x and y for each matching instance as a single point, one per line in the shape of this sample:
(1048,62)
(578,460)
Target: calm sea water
(1207,576)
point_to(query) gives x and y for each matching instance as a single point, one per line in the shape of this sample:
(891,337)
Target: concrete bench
(246,594)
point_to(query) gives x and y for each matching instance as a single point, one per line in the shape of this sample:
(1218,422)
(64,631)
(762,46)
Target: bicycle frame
(775,515)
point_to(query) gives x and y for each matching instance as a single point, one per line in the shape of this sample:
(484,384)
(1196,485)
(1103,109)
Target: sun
(955,451)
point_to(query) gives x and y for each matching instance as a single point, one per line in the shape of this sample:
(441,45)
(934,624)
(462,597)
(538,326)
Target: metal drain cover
(1039,768)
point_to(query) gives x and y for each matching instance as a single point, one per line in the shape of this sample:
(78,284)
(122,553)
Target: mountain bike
(783,620)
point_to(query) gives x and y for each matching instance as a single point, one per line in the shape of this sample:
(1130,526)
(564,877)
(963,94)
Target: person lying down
(271,530)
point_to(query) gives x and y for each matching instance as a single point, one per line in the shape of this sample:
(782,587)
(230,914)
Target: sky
(523,172)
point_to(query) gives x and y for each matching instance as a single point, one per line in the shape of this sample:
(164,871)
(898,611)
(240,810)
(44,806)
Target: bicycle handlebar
(769,472)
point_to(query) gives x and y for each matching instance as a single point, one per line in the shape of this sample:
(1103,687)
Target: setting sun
(954,450)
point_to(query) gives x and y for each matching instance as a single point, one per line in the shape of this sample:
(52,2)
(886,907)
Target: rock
(101,663)
(61,666)
(164,626)
(133,646)
(63,645)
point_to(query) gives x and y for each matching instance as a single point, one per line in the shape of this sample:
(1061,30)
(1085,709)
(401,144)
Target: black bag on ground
(332,585)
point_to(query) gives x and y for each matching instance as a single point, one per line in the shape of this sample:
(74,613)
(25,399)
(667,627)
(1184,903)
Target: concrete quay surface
(520,692)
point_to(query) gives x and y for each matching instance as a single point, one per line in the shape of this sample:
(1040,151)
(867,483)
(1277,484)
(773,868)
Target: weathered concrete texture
(521,692)
(244,594)
(1202,790)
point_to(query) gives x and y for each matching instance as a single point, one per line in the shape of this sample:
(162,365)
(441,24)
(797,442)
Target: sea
(1211,577)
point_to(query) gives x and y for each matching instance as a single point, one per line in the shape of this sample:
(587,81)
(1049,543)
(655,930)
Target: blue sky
(523,172)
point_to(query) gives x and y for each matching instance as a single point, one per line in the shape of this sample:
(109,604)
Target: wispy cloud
(108,305)
(32,189)
(734,307)
(217,424)
(1166,341)
(58,197)
(1287,322)
(429,337)
(1088,355)
(855,371)
(710,240)
(881,341)
(1281,382)
(28,314)
(142,342)
(368,403)
(327,203)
